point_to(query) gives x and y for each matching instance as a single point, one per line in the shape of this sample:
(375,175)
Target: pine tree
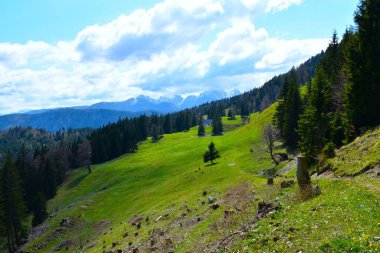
(292,110)
(211,154)
(12,205)
(39,209)
(201,127)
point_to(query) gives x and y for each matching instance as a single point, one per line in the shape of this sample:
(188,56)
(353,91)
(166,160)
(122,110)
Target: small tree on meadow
(211,154)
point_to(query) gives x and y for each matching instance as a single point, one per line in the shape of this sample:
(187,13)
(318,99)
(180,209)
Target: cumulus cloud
(167,25)
(270,5)
(155,52)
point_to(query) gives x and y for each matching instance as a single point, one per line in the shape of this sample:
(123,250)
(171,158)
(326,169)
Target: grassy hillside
(362,155)
(158,200)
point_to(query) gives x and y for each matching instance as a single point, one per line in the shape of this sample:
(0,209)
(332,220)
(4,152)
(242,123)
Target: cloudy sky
(75,52)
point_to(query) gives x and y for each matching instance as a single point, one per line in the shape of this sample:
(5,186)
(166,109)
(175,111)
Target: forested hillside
(343,99)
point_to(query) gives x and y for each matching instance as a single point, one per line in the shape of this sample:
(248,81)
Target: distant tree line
(343,99)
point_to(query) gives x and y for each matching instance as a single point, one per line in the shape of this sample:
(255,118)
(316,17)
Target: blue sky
(74,52)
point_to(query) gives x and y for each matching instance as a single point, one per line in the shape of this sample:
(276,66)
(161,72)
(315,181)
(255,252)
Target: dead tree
(269,136)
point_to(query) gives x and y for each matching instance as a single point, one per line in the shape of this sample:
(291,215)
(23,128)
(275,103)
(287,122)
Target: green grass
(168,178)
(344,218)
(158,179)
(360,155)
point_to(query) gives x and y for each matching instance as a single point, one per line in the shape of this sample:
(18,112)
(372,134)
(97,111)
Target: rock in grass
(211,199)
(315,190)
(228,213)
(263,207)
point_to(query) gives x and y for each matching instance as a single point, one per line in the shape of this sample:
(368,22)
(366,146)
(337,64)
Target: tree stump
(303,178)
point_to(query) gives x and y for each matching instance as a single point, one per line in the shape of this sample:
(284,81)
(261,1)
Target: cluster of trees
(30,180)
(343,98)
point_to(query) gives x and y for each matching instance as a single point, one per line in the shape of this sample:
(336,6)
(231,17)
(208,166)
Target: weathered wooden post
(303,178)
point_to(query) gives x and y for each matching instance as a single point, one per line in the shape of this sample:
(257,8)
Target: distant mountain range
(102,113)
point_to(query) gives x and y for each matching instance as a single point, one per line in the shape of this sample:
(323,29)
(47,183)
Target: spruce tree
(211,154)
(39,210)
(167,124)
(155,133)
(217,125)
(292,110)
(12,205)
(201,127)
(310,142)
(278,118)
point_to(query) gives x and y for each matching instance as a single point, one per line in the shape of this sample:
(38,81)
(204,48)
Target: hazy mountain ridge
(102,113)
(54,120)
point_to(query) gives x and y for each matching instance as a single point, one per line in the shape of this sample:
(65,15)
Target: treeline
(12,139)
(343,99)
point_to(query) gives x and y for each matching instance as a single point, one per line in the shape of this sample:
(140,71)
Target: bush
(328,151)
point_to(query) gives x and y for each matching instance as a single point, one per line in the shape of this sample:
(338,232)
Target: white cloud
(238,42)
(290,52)
(270,5)
(154,52)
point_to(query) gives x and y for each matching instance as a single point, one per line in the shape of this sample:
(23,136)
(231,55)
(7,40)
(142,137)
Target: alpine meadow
(202,126)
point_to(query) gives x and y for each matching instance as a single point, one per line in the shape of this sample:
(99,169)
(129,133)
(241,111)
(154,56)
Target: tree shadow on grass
(76,181)
(211,164)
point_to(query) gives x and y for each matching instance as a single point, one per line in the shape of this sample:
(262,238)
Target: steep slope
(361,155)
